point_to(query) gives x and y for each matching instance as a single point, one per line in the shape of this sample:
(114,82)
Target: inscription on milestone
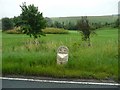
(62,55)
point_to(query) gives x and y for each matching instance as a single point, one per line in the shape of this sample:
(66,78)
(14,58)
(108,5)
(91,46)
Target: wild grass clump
(14,31)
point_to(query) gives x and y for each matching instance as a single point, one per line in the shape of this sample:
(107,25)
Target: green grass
(100,61)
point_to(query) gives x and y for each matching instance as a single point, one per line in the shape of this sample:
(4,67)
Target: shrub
(7,24)
(55,31)
(46,31)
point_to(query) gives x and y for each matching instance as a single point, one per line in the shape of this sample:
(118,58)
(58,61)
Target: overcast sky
(61,8)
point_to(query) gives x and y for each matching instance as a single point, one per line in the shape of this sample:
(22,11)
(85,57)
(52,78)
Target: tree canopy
(32,21)
(83,25)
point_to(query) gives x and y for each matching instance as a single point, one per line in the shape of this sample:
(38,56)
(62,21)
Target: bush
(46,31)
(7,24)
(55,31)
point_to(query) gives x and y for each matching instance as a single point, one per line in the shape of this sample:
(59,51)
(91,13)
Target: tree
(83,25)
(57,24)
(17,21)
(7,24)
(32,21)
(49,22)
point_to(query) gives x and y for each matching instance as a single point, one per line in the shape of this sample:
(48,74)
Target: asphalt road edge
(55,81)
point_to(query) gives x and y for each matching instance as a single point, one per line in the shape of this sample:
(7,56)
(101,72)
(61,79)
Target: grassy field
(100,61)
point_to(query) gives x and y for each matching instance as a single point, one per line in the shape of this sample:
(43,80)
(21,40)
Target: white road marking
(68,82)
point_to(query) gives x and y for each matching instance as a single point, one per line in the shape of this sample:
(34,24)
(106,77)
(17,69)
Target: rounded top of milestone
(62,50)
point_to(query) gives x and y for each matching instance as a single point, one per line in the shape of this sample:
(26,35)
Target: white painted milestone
(62,55)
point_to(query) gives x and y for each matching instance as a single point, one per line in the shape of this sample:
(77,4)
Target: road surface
(30,83)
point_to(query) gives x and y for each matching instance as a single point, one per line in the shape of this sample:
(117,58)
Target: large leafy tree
(16,21)
(32,21)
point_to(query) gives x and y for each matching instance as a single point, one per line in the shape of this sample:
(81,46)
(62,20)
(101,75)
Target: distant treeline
(70,24)
(65,23)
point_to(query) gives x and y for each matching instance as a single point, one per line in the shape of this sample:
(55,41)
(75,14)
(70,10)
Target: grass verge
(100,61)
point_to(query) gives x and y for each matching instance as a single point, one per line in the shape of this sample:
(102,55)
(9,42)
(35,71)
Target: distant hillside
(93,19)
